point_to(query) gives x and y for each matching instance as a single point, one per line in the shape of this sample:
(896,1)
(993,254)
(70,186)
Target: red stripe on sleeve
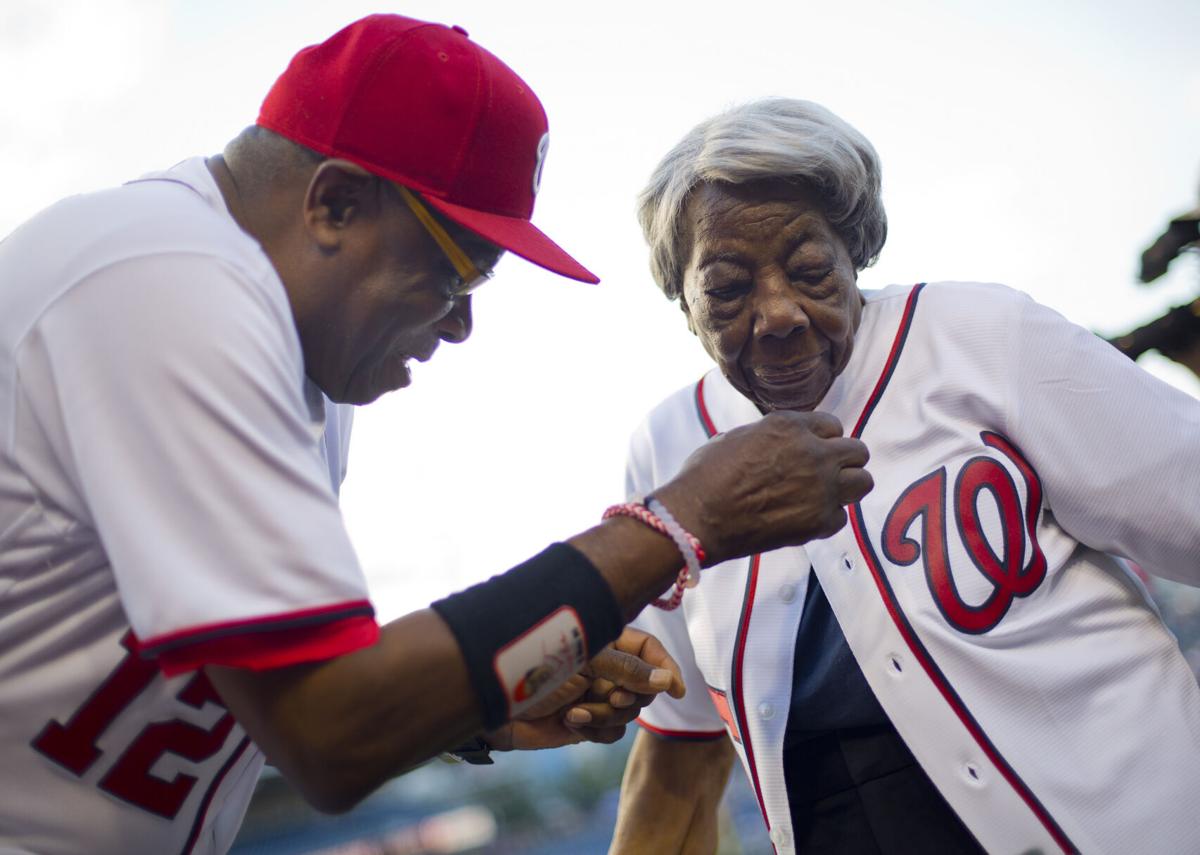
(157,644)
(276,648)
(263,651)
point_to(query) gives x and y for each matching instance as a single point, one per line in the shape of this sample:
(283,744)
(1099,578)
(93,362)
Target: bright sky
(1038,144)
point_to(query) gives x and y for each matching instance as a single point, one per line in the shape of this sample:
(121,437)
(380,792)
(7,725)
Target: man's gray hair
(774,139)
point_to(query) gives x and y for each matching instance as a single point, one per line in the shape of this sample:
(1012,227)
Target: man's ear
(339,193)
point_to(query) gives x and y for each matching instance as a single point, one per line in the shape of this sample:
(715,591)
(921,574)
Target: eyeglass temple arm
(461,261)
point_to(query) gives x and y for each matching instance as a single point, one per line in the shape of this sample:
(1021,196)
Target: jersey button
(787,592)
(766,711)
(780,837)
(847,562)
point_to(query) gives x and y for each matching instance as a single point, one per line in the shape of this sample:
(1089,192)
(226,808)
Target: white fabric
(1080,692)
(163,466)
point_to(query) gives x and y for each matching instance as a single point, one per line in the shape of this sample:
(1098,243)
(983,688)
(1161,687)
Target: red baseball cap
(423,105)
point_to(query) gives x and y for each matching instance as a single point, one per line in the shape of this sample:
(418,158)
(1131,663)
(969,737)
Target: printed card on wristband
(534,664)
(524,632)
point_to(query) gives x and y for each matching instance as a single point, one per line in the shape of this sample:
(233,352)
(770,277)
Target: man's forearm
(338,729)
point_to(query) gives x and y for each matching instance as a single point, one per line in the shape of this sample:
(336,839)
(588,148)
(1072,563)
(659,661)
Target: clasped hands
(596,704)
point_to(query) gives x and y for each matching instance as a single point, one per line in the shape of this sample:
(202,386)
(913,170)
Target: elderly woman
(966,664)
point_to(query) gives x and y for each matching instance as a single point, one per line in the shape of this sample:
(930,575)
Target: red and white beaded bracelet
(655,514)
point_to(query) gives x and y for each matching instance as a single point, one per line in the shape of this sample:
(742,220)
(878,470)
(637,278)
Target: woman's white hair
(774,139)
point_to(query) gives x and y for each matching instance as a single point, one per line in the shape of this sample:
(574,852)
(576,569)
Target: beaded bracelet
(655,515)
(688,545)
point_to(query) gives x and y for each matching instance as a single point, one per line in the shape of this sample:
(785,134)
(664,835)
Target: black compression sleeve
(524,632)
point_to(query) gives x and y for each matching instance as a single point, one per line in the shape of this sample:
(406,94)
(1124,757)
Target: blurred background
(1045,146)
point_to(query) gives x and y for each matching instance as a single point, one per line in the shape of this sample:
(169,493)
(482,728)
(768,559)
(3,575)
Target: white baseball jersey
(165,503)
(1013,455)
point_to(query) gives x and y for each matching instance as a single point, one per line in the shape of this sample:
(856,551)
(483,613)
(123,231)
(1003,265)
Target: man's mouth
(399,372)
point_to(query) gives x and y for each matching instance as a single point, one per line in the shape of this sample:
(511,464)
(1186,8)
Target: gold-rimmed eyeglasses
(469,276)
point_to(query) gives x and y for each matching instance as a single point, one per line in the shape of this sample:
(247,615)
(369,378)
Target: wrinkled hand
(596,704)
(781,481)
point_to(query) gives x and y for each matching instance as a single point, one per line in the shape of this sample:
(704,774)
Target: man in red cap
(178,595)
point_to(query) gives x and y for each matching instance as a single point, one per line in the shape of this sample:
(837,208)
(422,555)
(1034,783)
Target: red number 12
(73,745)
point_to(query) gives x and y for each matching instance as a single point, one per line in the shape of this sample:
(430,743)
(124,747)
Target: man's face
(770,291)
(394,304)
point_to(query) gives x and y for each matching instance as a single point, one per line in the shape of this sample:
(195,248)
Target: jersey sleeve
(692,717)
(1117,449)
(170,388)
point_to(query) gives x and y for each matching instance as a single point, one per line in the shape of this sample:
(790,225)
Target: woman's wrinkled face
(770,291)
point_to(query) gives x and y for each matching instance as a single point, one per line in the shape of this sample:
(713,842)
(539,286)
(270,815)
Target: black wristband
(524,632)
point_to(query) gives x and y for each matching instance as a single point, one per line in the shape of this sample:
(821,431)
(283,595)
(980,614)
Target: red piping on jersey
(890,366)
(739,657)
(682,735)
(947,691)
(739,651)
(905,628)
(702,411)
(198,823)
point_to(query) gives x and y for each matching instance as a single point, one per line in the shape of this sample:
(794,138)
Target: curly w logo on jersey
(994,534)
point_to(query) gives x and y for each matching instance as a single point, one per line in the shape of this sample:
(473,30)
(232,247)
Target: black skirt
(861,792)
